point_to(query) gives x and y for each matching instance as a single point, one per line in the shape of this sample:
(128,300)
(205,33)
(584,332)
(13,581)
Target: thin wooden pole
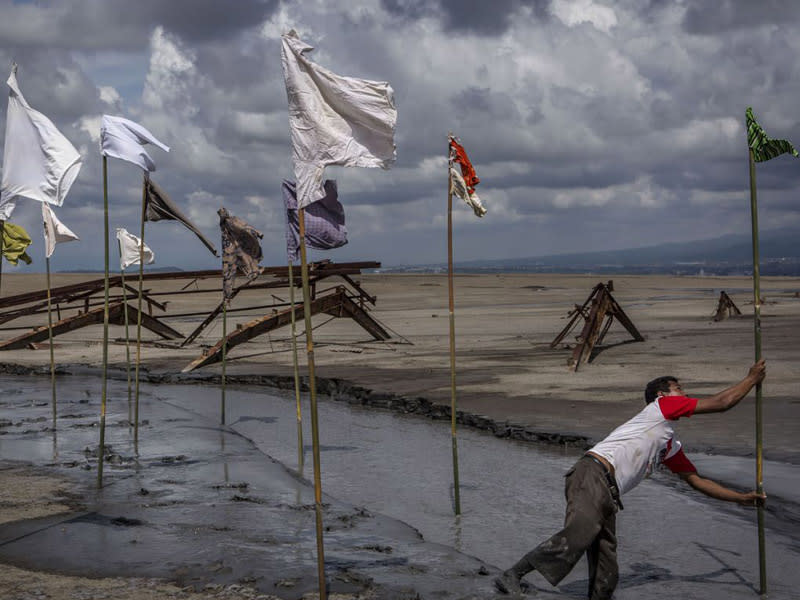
(451,305)
(139,317)
(300,453)
(224,355)
(127,336)
(762,558)
(50,338)
(2,242)
(312,387)
(105,333)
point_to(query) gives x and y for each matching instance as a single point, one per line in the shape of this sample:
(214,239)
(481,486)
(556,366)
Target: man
(615,466)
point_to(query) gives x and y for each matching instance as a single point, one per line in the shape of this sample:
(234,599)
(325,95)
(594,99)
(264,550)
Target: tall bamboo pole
(451,305)
(312,387)
(300,454)
(762,558)
(127,335)
(2,241)
(50,339)
(139,317)
(224,355)
(105,332)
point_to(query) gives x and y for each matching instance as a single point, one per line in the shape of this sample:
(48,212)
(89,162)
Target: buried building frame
(348,300)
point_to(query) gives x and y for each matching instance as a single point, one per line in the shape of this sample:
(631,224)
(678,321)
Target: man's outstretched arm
(728,398)
(720,492)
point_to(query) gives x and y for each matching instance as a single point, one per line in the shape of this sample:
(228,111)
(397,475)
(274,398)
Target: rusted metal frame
(362,294)
(92,317)
(207,321)
(337,303)
(317,269)
(576,314)
(606,327)
(349,308)
(41,307)
(624,320)
(146,296)
(148,322)
(578,311)
(591,329)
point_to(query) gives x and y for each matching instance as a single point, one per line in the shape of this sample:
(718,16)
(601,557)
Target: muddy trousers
(589,526)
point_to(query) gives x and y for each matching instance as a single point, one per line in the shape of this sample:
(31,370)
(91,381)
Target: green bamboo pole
(451,305)
(2,241)
(224,355)
(762,558)
(300,457)
(50,338)
(127,336)
(105,332)
(139,317)
(312,387)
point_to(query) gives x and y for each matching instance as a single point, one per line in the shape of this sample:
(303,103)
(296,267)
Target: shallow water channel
(673,542)
(511,492)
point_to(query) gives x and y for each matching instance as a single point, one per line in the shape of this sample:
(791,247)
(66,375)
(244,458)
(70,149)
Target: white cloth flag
(54,231)
(123,139)
(334,120)
(459,187)
(38,161)
(129,250)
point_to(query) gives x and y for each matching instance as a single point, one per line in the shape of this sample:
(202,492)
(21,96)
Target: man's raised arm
(728,398)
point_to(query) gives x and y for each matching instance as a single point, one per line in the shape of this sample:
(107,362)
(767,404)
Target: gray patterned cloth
(324,220)
(241,250)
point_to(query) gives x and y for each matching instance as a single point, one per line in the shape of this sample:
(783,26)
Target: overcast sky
(592,124)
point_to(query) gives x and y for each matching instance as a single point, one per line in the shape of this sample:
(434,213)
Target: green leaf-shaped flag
(762,146)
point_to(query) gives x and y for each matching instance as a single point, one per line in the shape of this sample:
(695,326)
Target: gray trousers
(589,526)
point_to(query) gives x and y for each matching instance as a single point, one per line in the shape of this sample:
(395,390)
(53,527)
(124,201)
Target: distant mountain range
(132,271)
(726,255)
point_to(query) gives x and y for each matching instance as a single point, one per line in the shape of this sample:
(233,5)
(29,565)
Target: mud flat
(512,385)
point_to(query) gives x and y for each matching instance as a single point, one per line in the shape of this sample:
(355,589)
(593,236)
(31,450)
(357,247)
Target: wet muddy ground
(201,502)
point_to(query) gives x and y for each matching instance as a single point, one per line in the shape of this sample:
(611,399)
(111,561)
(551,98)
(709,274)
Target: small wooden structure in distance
(600,306)
(725,307)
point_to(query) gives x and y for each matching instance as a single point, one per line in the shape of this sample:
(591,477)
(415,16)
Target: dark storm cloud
(95,24)
(715,16)
(468,16)
(588,122)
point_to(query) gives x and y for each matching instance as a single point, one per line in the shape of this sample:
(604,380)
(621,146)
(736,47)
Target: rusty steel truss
(598,313)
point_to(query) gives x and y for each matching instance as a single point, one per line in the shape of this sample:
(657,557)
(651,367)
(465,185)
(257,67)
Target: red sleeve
(675,407)
(679,463)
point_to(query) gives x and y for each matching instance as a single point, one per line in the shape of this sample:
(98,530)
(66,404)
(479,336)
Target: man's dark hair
(660,384)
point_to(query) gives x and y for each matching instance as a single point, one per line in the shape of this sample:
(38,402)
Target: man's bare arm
(720,492)
(728,398)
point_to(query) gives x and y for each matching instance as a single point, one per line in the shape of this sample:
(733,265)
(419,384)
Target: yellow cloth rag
(15,241)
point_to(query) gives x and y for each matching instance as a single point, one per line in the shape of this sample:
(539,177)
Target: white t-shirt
(639,445)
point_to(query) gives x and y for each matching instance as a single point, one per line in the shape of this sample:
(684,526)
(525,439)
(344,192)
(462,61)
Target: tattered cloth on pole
(324,220)
(55,231)
(762,146)
(38,161)
(334,120)
(463,184)
(241,250)
(159,207)
(15,241)
(123,139)
(130,250)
